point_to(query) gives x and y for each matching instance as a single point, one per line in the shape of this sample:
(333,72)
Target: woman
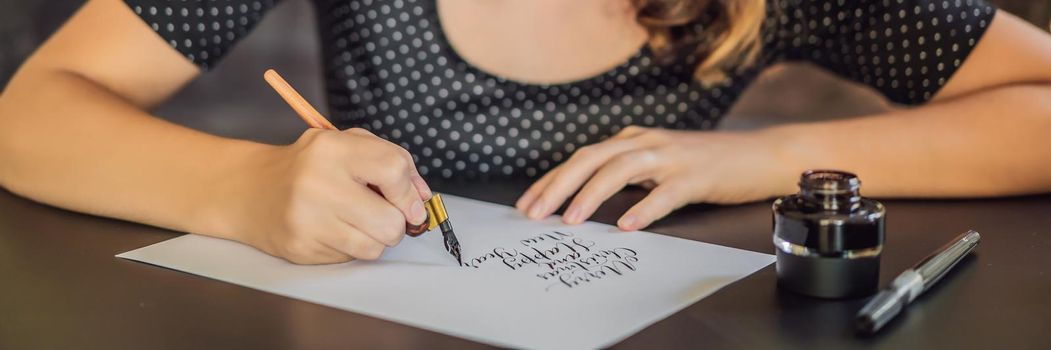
(593,95)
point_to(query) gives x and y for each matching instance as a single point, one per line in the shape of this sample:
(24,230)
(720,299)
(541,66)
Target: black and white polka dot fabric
(389,68)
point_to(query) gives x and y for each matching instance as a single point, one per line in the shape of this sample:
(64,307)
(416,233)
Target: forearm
(988,143)
(69,142)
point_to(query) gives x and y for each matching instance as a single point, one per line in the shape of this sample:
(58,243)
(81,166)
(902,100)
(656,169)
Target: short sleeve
(905,49)
(202,30)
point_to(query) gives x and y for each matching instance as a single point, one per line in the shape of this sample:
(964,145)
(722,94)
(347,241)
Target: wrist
(786,157)
(229,192)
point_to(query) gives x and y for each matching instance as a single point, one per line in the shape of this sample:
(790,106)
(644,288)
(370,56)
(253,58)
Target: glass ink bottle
(828,238)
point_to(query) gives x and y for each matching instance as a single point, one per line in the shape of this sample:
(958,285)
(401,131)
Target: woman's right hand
(331,197)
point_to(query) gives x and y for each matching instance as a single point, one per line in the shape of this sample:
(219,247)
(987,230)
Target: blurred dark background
(233,101)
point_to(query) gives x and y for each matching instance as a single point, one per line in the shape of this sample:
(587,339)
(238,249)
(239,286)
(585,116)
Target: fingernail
(419,213)
(572,216)
(536,211)
(627,222)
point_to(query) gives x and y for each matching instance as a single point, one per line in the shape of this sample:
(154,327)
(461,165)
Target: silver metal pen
(913,282)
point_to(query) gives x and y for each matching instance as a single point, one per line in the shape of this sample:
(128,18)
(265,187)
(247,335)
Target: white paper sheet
(583,286)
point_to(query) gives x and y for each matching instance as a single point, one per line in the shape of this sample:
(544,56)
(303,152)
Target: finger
(526,200)
(349,241)
(422,189)
(645,183)
(573,173)
(359,132)
(608,180)
(630,131)
(371,214)
(394,179)
(417,180)
(534,190)
(662,200)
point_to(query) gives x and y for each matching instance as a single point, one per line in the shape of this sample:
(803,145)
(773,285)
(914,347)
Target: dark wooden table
(61,287)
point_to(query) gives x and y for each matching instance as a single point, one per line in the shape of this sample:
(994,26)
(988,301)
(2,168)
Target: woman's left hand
(679,168)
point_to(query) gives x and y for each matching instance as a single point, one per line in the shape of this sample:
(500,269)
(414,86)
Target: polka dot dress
(389,68)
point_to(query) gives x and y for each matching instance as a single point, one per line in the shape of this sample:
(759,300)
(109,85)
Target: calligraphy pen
(436,214)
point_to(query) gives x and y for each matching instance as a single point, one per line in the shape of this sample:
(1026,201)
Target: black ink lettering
(560,256)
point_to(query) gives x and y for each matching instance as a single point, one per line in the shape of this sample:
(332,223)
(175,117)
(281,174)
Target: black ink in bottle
(828,238)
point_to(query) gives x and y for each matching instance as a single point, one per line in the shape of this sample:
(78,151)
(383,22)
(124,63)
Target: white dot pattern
(203,31)
(905,49)
(389,68)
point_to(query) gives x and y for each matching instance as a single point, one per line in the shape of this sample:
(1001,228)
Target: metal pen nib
(452,245)
(437,216)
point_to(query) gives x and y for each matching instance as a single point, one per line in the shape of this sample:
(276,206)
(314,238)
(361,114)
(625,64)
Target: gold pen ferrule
(436,213)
